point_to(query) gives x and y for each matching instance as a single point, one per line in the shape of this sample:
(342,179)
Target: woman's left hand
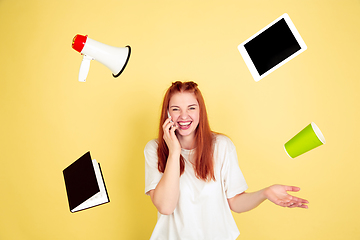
(278,195)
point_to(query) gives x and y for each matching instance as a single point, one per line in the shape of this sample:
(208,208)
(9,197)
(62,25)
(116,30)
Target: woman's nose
(183,114)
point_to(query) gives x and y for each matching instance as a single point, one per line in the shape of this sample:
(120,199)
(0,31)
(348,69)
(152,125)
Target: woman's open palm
(278,195)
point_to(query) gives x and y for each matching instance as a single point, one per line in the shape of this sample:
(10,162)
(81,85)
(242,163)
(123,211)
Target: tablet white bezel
(248,60)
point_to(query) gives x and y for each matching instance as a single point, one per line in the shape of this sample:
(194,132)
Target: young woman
(193,177)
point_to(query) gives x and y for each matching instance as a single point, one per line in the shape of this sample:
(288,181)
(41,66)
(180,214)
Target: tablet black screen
(272,46)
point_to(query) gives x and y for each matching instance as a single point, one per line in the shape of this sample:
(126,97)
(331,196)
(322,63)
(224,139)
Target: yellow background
(48,119)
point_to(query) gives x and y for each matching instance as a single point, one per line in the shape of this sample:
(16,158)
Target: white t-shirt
(203,211)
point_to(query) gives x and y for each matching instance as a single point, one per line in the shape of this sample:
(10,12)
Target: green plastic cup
(309,138)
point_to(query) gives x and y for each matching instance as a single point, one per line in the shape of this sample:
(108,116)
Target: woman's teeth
(184,123)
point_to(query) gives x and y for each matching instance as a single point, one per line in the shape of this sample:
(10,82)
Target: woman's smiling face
(184,111)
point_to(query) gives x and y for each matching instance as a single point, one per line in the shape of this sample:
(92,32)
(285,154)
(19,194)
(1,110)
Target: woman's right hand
(170,137)
(165,196)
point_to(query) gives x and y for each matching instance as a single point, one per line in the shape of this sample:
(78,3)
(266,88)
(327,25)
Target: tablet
(272,47)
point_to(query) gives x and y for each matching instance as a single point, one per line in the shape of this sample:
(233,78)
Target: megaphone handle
(84,68)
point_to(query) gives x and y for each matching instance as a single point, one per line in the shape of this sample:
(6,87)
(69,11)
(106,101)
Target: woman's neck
(187,142)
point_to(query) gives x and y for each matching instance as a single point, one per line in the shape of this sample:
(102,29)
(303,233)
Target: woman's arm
(276,193)
(166,194)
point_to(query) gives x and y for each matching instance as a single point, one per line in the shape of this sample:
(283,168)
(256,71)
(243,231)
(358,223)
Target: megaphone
(114,58)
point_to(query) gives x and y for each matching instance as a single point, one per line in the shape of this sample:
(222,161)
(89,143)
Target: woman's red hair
(204,164)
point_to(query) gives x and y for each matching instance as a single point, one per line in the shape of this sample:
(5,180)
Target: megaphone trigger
(84,68)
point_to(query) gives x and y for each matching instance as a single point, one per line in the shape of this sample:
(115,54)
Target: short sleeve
(152,174)
(233,180)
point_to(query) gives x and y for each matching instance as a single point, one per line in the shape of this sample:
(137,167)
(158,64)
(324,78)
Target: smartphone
(169,115)
(170,119)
